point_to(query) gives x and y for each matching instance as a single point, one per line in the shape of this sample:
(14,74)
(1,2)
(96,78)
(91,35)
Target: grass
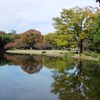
(59,53)
(92,54)
(68,54)
(56,53)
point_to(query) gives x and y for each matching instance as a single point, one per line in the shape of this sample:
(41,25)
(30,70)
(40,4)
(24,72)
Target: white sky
(22,15)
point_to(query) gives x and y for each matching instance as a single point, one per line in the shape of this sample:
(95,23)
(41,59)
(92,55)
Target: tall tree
(76,21)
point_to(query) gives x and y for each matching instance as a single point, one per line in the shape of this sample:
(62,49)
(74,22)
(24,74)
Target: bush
(61,52)
(43,52)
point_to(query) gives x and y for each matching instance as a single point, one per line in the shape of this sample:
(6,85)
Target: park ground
(55,53)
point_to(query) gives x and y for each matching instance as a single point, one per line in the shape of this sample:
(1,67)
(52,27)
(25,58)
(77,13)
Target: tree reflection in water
(30,64)
(73,80)
(79,83)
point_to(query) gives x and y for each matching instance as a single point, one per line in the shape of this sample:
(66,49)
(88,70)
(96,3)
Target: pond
(33,77)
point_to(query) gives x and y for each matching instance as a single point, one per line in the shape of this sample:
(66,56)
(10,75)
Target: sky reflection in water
(18,85)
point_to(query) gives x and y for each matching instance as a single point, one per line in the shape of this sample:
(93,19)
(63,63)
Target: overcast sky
(22,15)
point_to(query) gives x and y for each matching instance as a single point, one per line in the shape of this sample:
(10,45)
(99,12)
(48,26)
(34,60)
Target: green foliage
(59,40)
(77,22)
(4,39)
(96,34)
(83,75)
(51,39)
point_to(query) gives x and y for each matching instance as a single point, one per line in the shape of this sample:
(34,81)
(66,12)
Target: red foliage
(30,65)
(31,37)
(9,45)
(28,39)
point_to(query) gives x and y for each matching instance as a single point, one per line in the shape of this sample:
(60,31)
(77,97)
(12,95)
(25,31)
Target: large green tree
(77,22)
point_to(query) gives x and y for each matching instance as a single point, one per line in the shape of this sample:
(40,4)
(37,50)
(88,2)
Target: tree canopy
(77,22)
(31,37)
(25,40)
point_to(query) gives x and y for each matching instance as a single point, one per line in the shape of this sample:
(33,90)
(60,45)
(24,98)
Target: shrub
(43,52)
(61,52)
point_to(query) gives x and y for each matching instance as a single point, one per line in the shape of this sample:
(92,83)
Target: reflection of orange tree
(30,64)
(74,84)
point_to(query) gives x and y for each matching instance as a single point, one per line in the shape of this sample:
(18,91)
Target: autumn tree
(77,22)
(31,37)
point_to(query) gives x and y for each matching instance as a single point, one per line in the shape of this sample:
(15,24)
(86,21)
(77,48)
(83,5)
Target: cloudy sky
(22,15)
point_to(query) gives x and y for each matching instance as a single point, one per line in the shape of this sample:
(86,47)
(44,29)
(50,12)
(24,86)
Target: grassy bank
(59,53)
(55,53)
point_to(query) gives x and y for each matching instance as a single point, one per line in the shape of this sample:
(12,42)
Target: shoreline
(54,53)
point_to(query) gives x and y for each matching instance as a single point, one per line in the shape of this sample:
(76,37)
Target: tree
(31,37)
(77,22)
(58,40)
(29,64)
(96,34)
(4,39)
(50,39)
(78,80)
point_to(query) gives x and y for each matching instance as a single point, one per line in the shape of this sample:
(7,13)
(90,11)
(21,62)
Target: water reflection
(80,83)
(72,79)
(28,63)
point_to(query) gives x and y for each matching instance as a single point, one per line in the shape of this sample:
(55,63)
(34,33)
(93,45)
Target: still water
(32,77)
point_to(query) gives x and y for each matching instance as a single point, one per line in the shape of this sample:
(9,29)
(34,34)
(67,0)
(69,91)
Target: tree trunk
(79,68)
(81,46)
(30,48)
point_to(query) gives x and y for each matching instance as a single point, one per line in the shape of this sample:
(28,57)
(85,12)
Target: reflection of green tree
(77,85)
(4,61)
(63,64)
(60,63)
(49,62)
